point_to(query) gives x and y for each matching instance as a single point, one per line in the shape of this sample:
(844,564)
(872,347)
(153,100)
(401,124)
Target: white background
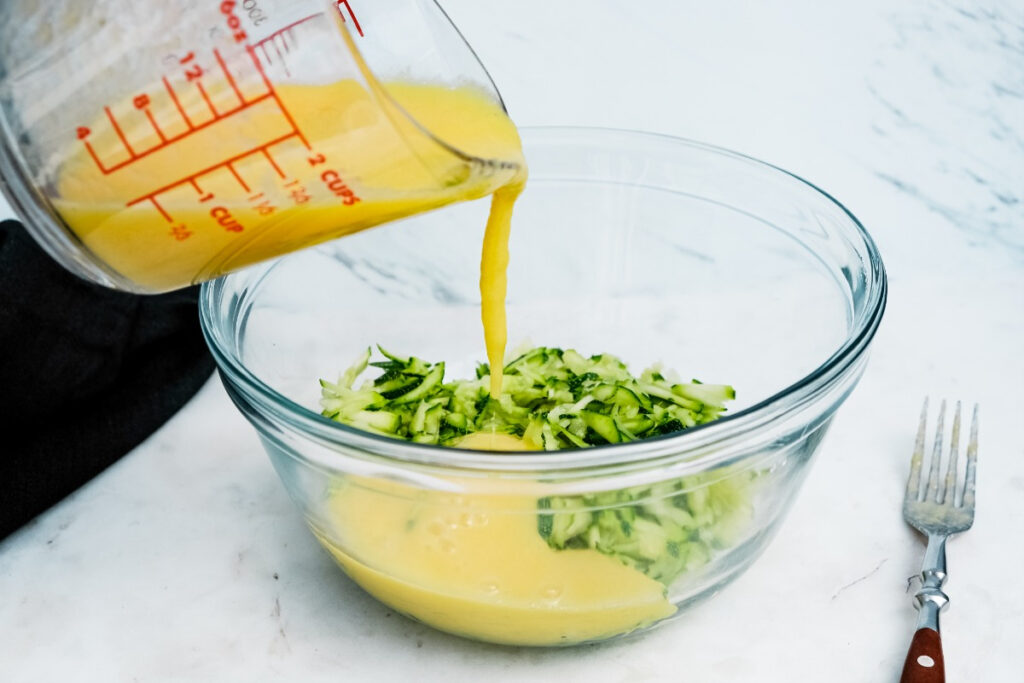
(911,113)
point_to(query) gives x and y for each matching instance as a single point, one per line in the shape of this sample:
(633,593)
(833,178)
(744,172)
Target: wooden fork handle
(924,659)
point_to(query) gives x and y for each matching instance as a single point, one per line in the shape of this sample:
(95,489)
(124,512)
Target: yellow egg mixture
(474,565)
(219,197)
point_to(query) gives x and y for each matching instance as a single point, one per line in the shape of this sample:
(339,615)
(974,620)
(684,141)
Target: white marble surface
(186,561)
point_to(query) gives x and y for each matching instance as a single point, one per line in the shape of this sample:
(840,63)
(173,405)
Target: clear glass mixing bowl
(652,248)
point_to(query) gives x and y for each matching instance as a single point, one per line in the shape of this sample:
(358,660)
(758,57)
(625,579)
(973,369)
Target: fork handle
(924,659)
(924,663)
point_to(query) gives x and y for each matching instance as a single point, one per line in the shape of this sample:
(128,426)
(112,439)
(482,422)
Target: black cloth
(86,374)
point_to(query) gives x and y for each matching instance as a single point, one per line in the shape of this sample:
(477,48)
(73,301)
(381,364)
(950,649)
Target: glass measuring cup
(148,146)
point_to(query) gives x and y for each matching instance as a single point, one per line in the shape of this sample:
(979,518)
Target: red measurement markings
(264,208)
(152,121)
(273,93)
(333,181)
(206,98)
(227,73)
(169,141)
(224,219)
(84,132)
(284,33)
(281,39)
(336,185)
(297,192)
(280,57)
(159,208)
(120,133)
(227,8)
(203,197)
(180,232)
(142,103)
(234,172)
(177,104)
(273,163)
(351,14)
(193,178)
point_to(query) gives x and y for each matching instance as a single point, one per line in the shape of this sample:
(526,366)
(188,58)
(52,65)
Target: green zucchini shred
(553,399)
(663,530)
(558,399)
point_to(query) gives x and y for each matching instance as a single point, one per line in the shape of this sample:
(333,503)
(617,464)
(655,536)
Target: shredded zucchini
(554,400)
(551,399)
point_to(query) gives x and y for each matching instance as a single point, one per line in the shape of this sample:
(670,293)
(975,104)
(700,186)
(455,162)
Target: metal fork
(935,511)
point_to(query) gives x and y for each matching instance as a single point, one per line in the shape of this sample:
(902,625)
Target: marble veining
(187,561)
(949,84)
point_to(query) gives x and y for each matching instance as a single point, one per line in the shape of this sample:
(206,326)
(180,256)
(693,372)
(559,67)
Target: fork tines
(946,492)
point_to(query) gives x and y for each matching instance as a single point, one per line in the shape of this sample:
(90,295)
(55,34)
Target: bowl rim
(699,446)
